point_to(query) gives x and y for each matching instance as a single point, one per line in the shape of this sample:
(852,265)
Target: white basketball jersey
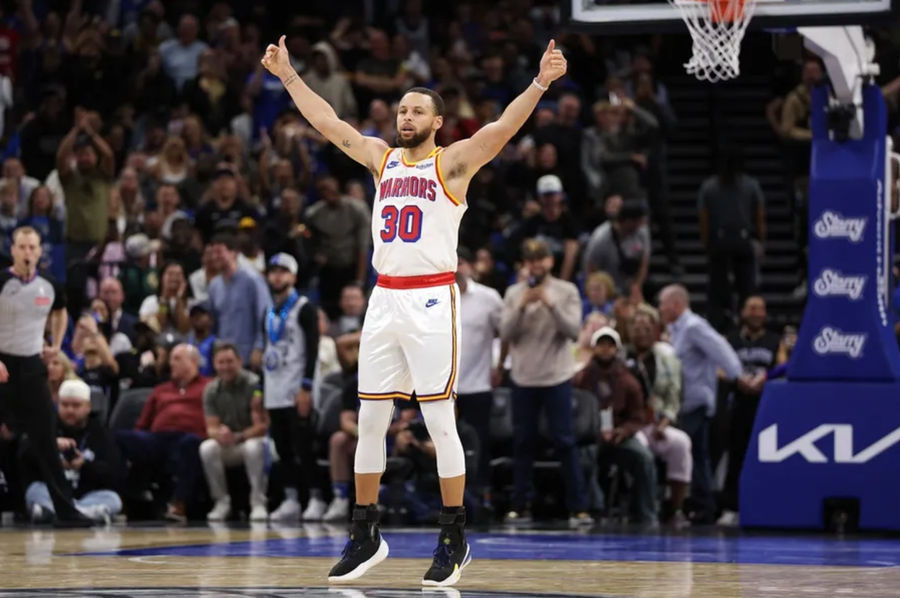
(415,220)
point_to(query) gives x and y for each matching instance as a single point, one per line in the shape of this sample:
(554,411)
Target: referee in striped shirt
(27,298)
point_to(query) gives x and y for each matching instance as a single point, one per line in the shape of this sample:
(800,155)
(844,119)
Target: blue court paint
(762,550)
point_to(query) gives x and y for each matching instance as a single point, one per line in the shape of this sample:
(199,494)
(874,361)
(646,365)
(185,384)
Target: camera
(70,454)
(534,281)
(419,431)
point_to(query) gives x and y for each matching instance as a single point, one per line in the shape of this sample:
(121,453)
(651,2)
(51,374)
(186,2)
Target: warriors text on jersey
(415,219)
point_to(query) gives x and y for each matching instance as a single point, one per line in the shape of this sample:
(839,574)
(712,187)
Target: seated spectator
(59,369)
(90,459)
(224,203)
(24,185)
(170,429)
(139,278)
(127,203)
(9,217)
(236,425)
(327,362)
(113,295)
(201,336)
(600,291)
(341,451)
(49,220)
(553,225)
(171,167)
(169,306)
(353,310)
(118,342)
(485,271)
(584,351)
(180,245)
(144,365)
(657,368)
(621,248)
(201,277)
(622,415)
(249,253)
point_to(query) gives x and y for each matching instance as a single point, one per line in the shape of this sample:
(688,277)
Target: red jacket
(171,409)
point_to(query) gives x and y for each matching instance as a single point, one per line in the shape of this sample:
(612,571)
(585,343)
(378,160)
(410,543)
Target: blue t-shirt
(273,99)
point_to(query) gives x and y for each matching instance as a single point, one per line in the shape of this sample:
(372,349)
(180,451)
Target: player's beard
(415,141)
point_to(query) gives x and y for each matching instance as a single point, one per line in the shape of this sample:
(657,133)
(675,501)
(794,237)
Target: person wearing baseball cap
(622,415)
(89,455)
(289,361)
(554,225)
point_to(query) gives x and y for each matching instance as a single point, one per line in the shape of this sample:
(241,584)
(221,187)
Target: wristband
(538,85)
(306,384)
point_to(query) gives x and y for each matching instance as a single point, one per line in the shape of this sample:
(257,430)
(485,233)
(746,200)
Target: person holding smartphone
(541,318)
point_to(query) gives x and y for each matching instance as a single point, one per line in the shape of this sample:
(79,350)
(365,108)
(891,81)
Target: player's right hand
(277,60)
(4,373)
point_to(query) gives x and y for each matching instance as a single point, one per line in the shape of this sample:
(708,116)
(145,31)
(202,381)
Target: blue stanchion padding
(818,440)
(847,332)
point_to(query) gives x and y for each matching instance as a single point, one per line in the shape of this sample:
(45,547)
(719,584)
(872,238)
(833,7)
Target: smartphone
(534,281)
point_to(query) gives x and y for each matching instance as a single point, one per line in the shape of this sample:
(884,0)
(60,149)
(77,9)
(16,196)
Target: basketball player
(410,337)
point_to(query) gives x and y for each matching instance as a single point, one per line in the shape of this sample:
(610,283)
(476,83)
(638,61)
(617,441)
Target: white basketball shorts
(410,339)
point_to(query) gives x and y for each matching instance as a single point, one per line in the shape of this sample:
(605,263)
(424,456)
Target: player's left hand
(553,65)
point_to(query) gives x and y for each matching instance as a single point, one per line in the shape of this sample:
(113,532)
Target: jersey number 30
(405,223)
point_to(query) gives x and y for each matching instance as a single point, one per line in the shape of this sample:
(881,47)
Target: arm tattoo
(346,143)
(290,79)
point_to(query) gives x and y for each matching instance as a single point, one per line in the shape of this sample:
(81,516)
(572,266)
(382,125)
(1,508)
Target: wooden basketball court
(294,561)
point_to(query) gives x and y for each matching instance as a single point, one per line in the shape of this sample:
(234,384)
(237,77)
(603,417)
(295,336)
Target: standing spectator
(171,427)
(733,230)
(480,310)
(89,456)
(621,248)
(540,319)
(759,351)
(180,56)
(701,351)
(169,306)
(341,235)
(139,274)
(238,300)
(353,310)
(96,364)
(113,295)
(201,336)
(292,347)
(621,396)
(209,95)
(249,253)
(659,371)
(553,225)
(326,79)
(49,219)
(86,186)
(236,425)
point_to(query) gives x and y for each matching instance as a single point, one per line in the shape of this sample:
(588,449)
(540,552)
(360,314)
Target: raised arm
(463,158)
(368,151)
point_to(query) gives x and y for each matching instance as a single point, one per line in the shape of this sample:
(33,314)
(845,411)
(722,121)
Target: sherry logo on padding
(831,341)
(431,303)
(832,225)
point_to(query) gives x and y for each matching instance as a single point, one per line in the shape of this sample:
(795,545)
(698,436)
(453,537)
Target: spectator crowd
(215,253)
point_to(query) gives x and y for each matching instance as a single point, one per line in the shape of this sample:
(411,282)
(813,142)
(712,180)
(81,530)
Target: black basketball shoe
(365,549)
(452,553)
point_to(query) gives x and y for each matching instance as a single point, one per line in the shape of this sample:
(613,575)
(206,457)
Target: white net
(717,28)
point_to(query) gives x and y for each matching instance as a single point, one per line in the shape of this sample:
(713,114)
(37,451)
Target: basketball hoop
(717,28)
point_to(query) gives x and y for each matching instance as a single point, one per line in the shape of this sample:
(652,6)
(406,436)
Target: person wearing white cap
(289,362)
(554,225)
(623,414)
(89,456)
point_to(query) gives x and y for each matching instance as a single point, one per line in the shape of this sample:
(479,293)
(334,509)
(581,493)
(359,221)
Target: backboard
(637,16)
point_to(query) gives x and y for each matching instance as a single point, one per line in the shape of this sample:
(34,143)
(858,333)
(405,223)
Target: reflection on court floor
(258,561)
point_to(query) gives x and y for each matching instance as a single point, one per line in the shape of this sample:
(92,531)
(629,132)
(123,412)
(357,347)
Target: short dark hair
(436,99)
(226,239)
(220,346)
